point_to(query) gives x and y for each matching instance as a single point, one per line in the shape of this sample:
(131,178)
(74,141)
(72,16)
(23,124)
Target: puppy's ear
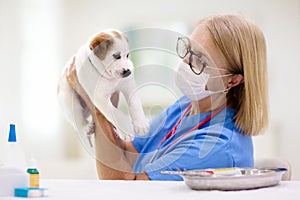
(102,48)
(101,44)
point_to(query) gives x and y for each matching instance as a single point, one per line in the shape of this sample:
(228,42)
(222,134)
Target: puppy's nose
(126,73)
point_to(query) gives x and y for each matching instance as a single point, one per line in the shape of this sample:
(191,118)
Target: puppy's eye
(127,55)
(117,56)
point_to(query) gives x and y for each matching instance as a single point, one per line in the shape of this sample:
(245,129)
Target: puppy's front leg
(140,123)
(120,121)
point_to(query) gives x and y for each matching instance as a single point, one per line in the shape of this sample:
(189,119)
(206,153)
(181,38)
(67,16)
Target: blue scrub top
(217,144)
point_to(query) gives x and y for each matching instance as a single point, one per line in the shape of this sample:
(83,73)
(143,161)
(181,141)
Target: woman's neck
(207,104)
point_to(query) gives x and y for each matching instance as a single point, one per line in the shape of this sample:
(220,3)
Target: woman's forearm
(111,161)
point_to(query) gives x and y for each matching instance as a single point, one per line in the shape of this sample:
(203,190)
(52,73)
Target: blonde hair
(243,47)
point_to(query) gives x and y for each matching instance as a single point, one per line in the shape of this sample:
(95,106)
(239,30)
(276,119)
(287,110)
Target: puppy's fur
(103,67)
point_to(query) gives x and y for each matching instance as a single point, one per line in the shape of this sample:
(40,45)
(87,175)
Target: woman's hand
(71,73)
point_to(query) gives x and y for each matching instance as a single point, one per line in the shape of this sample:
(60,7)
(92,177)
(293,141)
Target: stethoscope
(173,130)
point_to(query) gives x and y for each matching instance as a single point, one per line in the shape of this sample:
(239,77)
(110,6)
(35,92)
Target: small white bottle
(34,175)
(13,153)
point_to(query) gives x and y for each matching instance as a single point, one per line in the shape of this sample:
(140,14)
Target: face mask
(192,85)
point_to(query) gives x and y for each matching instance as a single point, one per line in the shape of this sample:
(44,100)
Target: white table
(154,190)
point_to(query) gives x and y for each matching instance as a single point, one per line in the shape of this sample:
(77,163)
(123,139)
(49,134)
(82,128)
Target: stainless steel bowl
(248,178)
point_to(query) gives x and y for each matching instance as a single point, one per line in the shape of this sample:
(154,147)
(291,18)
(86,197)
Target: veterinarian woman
(223,75)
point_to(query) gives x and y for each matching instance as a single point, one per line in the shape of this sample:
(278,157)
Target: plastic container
(11,178)
(13,153)
(13,166)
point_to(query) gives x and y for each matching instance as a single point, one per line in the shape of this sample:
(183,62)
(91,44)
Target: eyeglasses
(196,62)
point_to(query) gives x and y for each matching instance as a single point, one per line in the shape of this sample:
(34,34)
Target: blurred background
(37,37)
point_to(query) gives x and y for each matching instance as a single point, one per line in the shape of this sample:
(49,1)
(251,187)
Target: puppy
(103,68)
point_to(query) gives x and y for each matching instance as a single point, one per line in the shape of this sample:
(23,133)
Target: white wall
(38,37)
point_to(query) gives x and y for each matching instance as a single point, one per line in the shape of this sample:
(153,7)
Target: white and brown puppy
(103,67)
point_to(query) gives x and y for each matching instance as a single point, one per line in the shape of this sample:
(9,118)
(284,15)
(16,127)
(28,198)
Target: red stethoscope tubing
(173,130)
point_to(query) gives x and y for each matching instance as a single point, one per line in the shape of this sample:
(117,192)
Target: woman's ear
(235,80)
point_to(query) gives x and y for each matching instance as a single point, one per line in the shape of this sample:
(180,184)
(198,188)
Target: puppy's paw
(89,130)
(141,127)
(128,138)
(124,136)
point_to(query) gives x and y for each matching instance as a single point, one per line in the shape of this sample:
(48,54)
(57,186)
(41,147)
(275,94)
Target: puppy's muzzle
(126,73)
